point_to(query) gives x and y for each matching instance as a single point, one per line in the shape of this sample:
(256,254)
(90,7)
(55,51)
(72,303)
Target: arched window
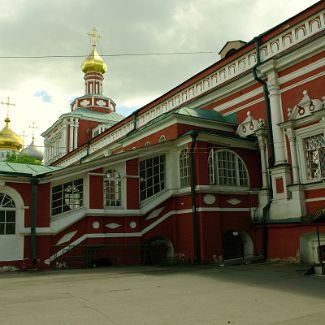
(112,188)
(7,215)
(184,173)
(227,168)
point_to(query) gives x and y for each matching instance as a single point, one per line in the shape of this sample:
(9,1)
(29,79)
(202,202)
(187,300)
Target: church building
(225,166)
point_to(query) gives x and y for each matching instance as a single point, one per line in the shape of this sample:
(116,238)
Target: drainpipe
(266,209)
(34,181)
(196,237)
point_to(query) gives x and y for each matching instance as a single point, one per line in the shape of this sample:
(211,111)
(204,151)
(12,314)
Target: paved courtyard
(248,294)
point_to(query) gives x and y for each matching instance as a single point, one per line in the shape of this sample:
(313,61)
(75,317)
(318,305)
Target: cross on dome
(8,104)
(94,36)
(33,127)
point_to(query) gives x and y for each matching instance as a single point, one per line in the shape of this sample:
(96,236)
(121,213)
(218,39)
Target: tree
(21,159)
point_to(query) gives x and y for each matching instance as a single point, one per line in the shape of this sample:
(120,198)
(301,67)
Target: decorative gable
(305,107)
(249,126)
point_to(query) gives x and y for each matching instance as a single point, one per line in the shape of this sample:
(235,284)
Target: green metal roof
(86,113)
(204,114)
(210,115)
(32,170)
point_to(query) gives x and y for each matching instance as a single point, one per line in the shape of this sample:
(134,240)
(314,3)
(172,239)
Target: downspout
(34,181)
(196,238)
(266,209)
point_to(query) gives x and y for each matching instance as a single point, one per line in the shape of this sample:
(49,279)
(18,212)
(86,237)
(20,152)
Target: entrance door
(233,246)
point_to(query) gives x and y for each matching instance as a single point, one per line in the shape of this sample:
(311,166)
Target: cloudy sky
(43,88)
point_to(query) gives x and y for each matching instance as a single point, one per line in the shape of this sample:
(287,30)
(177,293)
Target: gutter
(266,209)
(196,237)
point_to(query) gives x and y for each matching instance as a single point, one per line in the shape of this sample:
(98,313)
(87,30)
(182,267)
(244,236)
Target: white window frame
(9,207)
(301,135)
(215,178)
(151,173)
(117,179)
(184,168)
(78,199)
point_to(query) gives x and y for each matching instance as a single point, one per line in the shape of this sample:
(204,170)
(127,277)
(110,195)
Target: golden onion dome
(9,139)
(94,63)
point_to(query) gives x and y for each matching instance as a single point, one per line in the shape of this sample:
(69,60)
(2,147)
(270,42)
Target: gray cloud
(57,27)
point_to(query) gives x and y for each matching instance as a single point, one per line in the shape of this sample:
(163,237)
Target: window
(227,168)
(112,188)
(315,156)
(184,175)
(152,176)
(7,215)
(68,196)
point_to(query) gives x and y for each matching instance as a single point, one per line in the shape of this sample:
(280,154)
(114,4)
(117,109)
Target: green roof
(86,113)
(27,169)
(204,114)
(210,115)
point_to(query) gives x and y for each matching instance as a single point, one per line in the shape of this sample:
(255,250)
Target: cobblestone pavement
(247,294)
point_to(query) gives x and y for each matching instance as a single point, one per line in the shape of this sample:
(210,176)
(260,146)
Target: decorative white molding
(154,214)
(95,225)
(233,201)
(305,107)
(249,126)
(113,225)
(133,224)
(67,237)
(209,199)
(84,103)
(101,103)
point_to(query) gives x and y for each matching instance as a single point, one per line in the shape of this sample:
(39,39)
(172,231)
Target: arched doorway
(233,245)
(11,223)
(157,251)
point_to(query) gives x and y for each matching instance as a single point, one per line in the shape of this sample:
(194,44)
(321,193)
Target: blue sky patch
(44,96)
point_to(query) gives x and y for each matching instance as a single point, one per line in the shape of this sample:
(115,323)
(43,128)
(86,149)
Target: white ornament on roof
(305,107)
(84,103)
(101,103)
(249,125)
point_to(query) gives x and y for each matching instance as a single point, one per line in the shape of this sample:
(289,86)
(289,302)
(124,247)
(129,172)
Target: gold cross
(94,36)
(7,104)
(33,127)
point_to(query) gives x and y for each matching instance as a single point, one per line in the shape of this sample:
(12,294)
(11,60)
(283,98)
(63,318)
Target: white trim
(316,199)
(144,230)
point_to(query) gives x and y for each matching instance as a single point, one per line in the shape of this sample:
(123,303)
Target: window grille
(112,188)
(315,156)
(184,174)
(67,196)
(152,176)
(7,215)
(227,168)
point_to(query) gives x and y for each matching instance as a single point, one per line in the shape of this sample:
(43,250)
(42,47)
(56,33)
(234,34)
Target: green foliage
(21,159)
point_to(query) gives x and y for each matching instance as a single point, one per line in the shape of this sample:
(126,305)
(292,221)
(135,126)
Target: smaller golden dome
(9,139)
(94,63)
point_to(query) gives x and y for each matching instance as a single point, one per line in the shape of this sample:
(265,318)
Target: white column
(46,149)
(276,115)
(75,135)
(293,151)
(71,134)
(64,139)
(261,136)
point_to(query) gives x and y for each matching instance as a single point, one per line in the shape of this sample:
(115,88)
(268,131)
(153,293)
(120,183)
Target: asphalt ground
(245,294)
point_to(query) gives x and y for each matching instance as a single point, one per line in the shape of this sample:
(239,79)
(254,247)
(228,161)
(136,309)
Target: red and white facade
(222,166)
